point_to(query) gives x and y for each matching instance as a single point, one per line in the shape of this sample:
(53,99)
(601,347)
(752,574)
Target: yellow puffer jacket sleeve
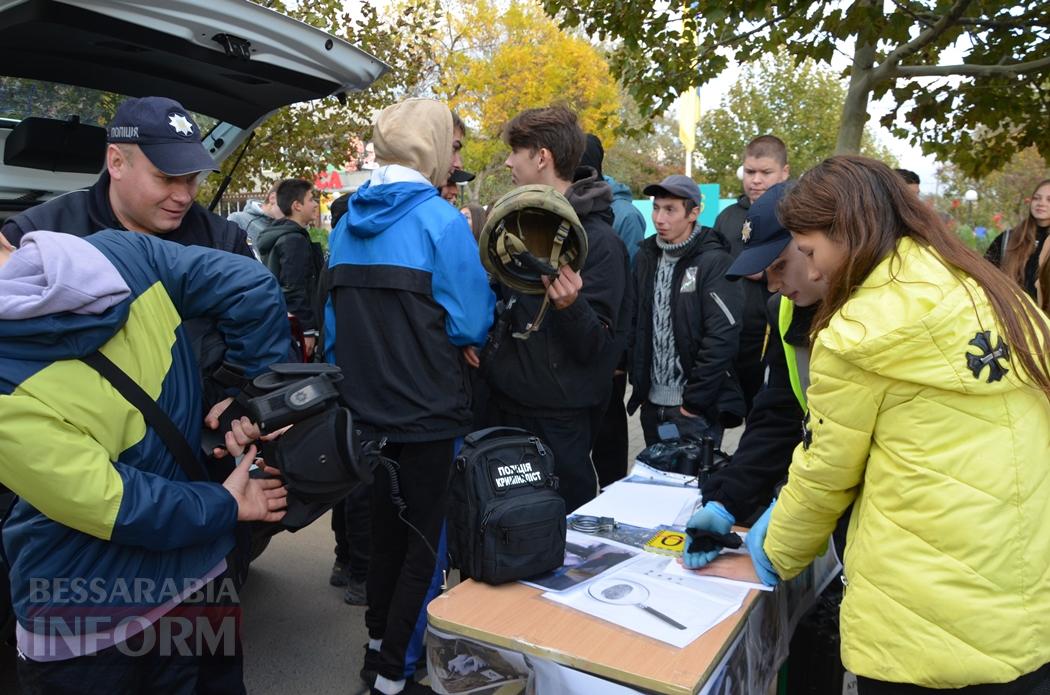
(827,470)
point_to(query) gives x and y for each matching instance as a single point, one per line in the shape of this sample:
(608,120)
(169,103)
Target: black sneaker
(371,666)
(338,577)
(355,593)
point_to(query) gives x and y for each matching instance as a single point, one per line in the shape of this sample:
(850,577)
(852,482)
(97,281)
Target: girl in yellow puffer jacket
(929,410)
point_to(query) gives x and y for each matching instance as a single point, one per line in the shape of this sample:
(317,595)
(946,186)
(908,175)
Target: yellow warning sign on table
(667,542)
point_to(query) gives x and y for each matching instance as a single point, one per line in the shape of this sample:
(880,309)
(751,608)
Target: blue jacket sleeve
(161,514)
(461,287)
(239,293)
(632,231)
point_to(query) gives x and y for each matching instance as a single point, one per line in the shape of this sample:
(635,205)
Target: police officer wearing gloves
(774,425)
(929,402)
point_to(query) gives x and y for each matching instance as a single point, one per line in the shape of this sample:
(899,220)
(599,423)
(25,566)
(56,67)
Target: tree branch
(970,70)
(926,18)
(925,38)
(737,38)
(1030,20)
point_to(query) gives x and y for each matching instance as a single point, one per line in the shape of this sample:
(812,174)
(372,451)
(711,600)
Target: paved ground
(299,635)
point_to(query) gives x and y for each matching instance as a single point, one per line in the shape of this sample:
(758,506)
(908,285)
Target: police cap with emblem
(165,133)
(766,236)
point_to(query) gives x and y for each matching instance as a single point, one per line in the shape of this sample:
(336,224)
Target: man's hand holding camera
(258,499)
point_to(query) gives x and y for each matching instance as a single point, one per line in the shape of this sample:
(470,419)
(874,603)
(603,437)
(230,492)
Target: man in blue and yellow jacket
(108,534)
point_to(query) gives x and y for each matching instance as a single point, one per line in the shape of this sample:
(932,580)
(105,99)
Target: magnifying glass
(623,592)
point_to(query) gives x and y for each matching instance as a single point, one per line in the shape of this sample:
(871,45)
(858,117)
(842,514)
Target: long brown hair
(864,205)
(1021,243)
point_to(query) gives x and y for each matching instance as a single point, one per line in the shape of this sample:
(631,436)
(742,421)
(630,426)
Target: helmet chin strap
(559,239)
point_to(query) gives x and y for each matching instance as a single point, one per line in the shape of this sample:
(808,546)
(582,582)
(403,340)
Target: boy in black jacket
(556,383)
(287,250)
(687,325)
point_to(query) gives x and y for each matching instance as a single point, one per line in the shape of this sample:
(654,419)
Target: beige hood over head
(416,133)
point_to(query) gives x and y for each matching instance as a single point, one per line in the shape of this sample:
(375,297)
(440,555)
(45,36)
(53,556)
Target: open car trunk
(232,61)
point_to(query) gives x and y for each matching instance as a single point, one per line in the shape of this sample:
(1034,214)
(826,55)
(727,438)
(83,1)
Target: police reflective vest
(787,311)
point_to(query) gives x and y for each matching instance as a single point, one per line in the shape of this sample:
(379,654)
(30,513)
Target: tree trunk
(855,108)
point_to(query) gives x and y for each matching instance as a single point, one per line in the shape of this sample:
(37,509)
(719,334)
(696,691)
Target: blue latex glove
(711,517)
(756,537)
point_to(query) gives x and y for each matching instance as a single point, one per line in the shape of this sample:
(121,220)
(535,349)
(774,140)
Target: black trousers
(404,575)
(111,672)
(610,453)
(208,662)
(570,435)
(652,416)
(1035,683)
(352,524)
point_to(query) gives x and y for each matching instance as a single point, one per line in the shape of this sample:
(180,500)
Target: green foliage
(977,114)
(798,104)
(302,139)
(320,236)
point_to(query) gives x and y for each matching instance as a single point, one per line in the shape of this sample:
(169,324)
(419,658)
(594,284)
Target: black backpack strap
(152,413)
(475,437)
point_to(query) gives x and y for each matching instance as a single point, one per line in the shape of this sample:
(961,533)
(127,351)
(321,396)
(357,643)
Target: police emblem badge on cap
(745,231)
(181,124)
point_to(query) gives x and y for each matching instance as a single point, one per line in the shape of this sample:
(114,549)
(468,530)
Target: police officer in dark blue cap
(154,158)
(774,425)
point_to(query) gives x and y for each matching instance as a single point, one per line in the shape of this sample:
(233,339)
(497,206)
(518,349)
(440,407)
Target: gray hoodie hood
(53,273)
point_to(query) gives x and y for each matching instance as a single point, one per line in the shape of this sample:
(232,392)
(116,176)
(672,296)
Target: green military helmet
(526,229)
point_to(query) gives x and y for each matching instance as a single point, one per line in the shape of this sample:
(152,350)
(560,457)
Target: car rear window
(21,98)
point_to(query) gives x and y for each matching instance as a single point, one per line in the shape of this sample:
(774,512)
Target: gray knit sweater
(668,379)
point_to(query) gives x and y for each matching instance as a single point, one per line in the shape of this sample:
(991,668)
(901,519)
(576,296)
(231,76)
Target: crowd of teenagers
(891,382)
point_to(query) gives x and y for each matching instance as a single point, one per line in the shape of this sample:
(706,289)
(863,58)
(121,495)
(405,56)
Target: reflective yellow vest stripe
(787,310)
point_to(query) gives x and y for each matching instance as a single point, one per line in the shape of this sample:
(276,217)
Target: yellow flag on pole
(688,117)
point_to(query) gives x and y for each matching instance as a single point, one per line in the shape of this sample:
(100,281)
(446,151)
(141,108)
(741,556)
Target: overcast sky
(909,157)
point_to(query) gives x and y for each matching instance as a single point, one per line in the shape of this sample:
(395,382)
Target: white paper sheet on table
(698,611)
(643,505)
(643,471)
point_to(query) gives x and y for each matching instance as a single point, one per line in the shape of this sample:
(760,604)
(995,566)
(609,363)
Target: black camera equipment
(319,457)
(687,456)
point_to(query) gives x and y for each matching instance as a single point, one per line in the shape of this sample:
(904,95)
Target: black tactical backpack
(506,520)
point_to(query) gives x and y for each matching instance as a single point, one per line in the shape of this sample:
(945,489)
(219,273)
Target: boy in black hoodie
(556,383)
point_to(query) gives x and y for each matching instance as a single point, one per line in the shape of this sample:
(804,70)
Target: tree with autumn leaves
(301,139)
(487,60)
(498,59)
(977,111)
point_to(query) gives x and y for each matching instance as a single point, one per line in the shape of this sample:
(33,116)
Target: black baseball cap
(164,131)
(764,236)
(676,186)
(460,176)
